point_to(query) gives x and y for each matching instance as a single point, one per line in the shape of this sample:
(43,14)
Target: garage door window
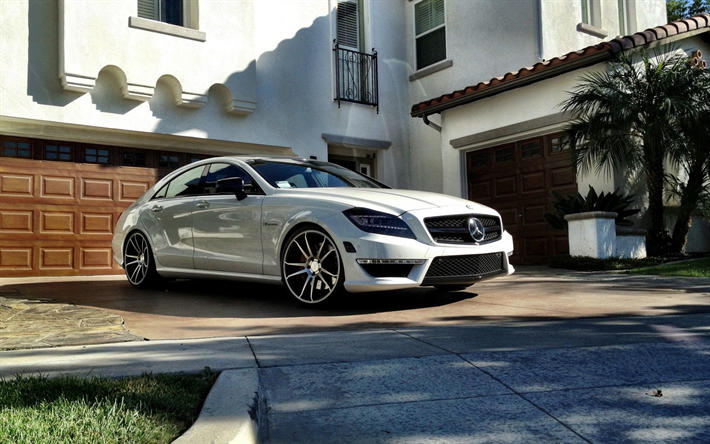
(531,149)
(11,148)
(505,155)
(58,152)
(97,155)
(559,144)
(134,158)
(478,160)
(169,161)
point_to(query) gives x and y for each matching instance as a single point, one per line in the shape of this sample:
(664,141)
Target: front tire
(138,262)
(311,266)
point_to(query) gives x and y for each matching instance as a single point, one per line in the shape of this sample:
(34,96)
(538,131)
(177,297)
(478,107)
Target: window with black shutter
(430,32)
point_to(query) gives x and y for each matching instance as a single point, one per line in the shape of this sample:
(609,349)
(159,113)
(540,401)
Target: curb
(230,413)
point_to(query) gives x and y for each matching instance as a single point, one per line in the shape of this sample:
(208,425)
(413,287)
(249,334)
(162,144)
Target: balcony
(355,77)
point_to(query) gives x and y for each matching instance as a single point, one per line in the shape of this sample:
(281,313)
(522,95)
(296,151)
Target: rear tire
(311,267)
(138,262)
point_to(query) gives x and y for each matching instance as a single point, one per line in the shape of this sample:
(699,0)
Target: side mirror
(232,185)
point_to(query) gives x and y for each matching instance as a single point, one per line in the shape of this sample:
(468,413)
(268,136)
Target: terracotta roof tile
(573,60)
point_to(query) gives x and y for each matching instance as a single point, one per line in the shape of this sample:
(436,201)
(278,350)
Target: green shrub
(608,202)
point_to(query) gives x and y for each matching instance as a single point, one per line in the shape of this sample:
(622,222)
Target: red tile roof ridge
(613,46)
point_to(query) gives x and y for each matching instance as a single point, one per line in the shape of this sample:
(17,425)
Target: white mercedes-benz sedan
(313,226)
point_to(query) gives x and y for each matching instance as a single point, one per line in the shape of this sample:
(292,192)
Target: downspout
(430,123)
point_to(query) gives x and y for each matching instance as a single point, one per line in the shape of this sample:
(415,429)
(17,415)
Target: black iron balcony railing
(356,76)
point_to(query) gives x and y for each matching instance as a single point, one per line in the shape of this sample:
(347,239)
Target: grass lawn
(648,266)
(696,268)
(67,409)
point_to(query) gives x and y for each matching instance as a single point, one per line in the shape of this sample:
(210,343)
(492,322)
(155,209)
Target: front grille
(388,270)
(467,268)
(454,229)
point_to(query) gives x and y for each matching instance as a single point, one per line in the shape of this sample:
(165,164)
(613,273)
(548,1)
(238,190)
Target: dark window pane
(431,48)
(171,12)
(558,144)
(168,161)
(131,158)
(16,149)
(505,155)
(532,149)
(477,160)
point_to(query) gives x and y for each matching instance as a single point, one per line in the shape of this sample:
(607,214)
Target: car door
(168,220)
(226,230)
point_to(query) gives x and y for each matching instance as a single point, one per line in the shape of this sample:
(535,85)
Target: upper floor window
(430,32)
(592,19)
(166,11)
(349,24)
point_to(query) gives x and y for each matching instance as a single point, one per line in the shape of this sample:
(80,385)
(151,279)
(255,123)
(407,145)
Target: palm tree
(627,119)
(694,158)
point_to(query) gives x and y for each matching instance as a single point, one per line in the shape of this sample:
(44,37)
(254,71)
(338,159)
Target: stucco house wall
(254,77)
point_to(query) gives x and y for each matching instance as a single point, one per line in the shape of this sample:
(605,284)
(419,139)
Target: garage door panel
(97,189)
(56,258)
(480,191)
(16,185)
(95,258)
(97,223)
(533,214)
(56,222)
(537,247)
(509,216)
(505,186)
(561,177)
(560,243)
(13,258)
(533,182)
(56,187)
(16,221)
(130,191)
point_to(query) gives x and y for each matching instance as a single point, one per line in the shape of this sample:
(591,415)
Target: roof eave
(615,46)
(516,83)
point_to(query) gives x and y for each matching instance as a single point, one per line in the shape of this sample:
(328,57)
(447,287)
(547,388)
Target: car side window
(186,184)
(219,171)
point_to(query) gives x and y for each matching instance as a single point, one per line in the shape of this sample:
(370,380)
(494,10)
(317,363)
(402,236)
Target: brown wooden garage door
(59,203)
(516,180)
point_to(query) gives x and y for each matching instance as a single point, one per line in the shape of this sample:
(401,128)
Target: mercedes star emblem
(477,230)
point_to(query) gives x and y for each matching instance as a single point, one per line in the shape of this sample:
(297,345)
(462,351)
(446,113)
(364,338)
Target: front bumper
(394,263)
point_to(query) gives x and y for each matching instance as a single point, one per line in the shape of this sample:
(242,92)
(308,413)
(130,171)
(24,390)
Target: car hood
(387,200)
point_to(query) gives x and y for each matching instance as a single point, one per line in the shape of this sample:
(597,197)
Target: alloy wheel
(311,266)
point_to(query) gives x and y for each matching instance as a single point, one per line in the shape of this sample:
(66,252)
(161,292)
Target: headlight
(380,223)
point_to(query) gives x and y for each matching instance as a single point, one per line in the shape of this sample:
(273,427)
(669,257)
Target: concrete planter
(630,243)
(592,234)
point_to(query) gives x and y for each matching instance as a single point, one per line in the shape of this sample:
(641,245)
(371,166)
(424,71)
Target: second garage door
(516,179)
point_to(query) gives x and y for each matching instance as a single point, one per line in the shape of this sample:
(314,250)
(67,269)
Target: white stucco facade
(251,77)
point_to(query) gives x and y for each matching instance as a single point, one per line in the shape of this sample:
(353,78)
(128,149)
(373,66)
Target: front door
(227,231)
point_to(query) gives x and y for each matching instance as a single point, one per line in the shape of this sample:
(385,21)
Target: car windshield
(311,174)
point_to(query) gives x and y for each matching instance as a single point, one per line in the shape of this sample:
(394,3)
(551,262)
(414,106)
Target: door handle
(157,208)
(203,204)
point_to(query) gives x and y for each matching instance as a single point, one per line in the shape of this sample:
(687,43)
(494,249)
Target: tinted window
(186,184)
(311,175)
(219,171)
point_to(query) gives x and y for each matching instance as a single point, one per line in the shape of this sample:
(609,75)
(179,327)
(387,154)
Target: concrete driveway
(204,309)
